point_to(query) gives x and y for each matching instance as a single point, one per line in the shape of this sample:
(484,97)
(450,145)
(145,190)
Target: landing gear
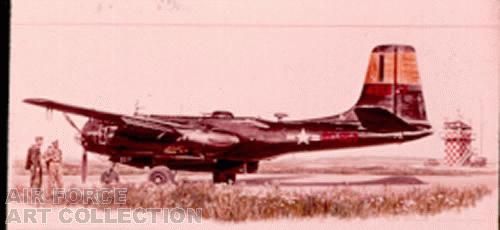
(110,176)
(224,177)
(161,175)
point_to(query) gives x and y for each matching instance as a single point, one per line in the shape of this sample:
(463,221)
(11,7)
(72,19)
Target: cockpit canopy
(222,114)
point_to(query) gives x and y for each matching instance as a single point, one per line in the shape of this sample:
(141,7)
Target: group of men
(52,158)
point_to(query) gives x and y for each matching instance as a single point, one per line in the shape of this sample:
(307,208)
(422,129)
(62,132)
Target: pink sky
(108,54)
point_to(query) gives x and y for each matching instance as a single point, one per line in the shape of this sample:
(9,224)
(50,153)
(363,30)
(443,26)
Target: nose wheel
(161,175)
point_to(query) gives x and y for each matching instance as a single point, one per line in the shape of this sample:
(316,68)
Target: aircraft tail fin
(392,83)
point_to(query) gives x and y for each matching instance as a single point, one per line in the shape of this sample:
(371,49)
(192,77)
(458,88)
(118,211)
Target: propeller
(72,123)
(84,166)
(84,162)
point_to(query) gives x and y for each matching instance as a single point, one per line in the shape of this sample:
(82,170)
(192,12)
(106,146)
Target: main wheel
(110,176)
(161,175)
(224,177)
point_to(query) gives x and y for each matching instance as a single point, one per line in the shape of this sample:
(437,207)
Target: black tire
(224,177)
(161,175)
(231,178)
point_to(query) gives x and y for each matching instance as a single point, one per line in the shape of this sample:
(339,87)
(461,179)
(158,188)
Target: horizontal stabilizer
(382,120)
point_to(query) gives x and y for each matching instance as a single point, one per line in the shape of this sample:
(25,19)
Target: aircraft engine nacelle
(210,138)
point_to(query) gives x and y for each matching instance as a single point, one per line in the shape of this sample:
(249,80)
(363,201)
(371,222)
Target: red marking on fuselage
(344,137)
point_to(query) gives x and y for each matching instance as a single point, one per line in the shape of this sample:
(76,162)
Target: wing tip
(36,101)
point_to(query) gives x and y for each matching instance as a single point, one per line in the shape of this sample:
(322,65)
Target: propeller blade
(84,167)
(71,122)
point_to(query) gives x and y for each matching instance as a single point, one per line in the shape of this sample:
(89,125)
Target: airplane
(390,110)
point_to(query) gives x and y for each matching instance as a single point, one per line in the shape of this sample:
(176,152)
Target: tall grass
(241,203)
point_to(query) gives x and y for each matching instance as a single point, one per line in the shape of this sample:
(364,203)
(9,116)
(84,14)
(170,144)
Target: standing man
(53,159)
(34,164)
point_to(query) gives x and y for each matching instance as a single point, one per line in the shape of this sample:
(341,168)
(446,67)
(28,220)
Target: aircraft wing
(52,105)
(186,132)
(137,121)
(151,123)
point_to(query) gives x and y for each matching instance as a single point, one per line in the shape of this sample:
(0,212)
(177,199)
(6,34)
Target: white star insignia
(303,137)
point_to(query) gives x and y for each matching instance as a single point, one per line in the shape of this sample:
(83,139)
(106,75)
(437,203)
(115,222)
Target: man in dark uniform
(33,163)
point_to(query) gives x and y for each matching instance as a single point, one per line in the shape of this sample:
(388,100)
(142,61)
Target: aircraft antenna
(137,107)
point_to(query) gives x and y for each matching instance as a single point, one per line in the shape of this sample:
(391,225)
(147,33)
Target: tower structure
(458,137)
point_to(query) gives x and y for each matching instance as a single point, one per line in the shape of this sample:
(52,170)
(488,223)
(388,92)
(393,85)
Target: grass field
(239,203)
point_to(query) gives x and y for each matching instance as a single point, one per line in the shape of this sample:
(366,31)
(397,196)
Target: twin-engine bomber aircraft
(390,110)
